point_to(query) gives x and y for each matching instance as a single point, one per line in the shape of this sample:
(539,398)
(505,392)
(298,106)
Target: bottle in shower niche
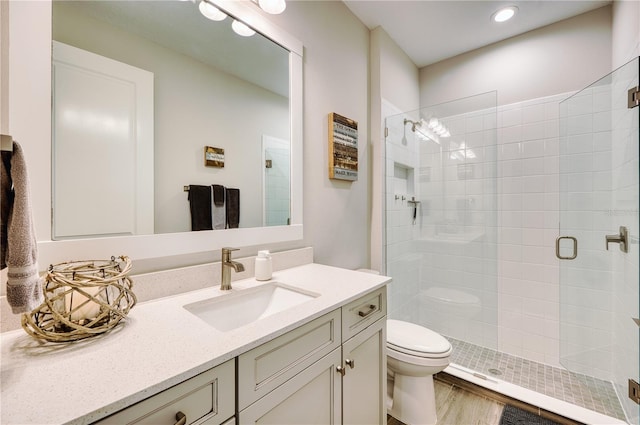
(263,266)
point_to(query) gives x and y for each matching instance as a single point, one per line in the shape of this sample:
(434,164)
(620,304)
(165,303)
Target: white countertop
(160,344)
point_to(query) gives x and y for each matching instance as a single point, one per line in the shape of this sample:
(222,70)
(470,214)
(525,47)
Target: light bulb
(242,29)
(273,7)
(211,12)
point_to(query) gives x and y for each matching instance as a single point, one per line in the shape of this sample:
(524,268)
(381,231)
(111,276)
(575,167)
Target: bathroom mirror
(194,123)
(140,88)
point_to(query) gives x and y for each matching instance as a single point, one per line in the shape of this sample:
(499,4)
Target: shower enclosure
(441,212)
(475,197)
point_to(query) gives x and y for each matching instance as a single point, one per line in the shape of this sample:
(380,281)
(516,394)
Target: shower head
(413,124)
(432,130)
(418,130)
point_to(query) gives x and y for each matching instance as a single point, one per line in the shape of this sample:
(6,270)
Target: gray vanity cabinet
(364,384)
(331,370)
(365,379)
(347,385)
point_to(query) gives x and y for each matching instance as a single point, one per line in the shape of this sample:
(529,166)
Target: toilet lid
(414,339)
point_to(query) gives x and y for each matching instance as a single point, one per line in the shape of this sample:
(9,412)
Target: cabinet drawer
(362,312)
(205,398)
(273,363)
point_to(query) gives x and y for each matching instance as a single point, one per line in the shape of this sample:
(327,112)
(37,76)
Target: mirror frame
(172,244)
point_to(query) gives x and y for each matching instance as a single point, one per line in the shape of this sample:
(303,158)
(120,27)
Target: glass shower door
(598,243)
(441,213)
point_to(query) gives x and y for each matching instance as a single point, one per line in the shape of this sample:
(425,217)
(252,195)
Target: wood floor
(459,402)
(457,406)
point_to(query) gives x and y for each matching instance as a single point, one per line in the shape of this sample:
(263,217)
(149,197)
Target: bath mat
(514,416)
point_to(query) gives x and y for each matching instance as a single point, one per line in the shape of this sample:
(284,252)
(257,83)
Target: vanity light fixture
(274,7)
(211,12)
(504,14)
(242,29)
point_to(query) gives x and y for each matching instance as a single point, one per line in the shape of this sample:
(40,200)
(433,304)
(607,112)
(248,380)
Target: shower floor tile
(581,390)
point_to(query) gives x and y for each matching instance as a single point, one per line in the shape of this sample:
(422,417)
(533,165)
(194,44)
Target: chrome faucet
(227,265)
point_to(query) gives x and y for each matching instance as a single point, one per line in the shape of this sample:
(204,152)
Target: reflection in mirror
(139,90)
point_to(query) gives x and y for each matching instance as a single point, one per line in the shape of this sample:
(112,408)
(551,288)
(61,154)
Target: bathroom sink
(239,308)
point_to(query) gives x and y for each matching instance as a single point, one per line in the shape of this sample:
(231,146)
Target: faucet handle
(226,253)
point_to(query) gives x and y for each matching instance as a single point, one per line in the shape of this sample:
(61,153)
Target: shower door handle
(575,248)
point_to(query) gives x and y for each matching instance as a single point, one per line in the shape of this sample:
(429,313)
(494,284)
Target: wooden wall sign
(213,157)
(343,148)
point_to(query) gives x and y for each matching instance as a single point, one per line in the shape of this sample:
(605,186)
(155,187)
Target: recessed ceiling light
(504,14)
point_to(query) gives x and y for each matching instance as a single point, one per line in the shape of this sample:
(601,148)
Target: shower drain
(495,372)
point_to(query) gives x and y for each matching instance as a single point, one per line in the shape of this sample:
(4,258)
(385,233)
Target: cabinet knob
(181,418)
(341,370)
(350,362)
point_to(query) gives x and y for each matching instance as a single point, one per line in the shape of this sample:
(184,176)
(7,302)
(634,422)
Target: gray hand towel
(219,207)
(20,249)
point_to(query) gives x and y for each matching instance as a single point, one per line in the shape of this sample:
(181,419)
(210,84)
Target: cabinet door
(311,397)
(365,380)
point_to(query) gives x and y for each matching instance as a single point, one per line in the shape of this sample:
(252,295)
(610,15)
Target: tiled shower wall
(528,202)
(512,270)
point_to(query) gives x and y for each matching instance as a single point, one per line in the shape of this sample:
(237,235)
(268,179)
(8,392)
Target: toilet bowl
(414,355)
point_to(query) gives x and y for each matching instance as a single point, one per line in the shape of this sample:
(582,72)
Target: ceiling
(430,31)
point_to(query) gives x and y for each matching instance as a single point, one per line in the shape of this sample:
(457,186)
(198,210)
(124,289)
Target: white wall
(625,32)
(336,56)
(561,57)
(30,100)
(394,88)
(196,105)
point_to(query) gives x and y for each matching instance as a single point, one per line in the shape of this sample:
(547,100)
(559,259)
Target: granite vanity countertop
(160,345)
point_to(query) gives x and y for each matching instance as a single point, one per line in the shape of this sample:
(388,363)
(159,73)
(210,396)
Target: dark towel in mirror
(200,206)
(218,195)
(233,208)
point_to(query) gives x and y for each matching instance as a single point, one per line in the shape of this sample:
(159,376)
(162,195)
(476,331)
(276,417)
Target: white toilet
(414,355)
